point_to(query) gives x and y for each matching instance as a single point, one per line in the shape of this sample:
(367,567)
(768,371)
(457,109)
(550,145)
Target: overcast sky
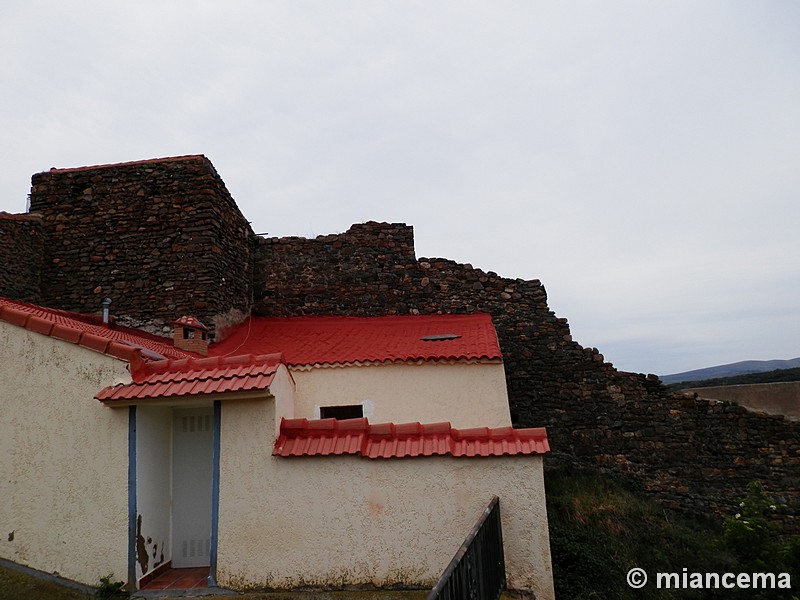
(641,158)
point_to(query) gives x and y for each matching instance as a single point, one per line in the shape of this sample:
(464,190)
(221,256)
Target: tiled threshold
(193,578)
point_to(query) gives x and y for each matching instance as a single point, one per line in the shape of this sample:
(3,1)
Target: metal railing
(478,570)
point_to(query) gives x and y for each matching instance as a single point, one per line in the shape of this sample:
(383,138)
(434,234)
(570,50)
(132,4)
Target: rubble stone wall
(161,238)
(164,238)
(21,248)
(692,454)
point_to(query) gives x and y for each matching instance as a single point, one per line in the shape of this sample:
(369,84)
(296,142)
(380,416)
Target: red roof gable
(89,332)
(170,378)
(341,340)
(325,437)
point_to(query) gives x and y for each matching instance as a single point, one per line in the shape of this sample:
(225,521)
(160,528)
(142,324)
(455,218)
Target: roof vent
(106,311)
(440,337)
(188,333)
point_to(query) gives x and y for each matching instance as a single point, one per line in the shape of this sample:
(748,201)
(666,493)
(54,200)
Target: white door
(192,455)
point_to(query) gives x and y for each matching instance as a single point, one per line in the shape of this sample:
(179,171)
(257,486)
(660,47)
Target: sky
(641,159)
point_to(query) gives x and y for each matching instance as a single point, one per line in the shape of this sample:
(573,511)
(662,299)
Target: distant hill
(732,370)
(777,376)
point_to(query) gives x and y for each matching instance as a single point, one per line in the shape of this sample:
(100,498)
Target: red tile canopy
(190,377)
(326,437)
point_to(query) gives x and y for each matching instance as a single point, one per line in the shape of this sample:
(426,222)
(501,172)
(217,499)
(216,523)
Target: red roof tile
(190,322)
(89,332)
(188,377)
(325,437)
(341,340)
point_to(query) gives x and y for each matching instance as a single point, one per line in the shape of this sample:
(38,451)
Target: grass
(600,528)
(19,586)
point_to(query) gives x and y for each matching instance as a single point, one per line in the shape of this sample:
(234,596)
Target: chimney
(188,333)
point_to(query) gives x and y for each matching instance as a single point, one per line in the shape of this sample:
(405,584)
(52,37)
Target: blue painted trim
(212,573)
(132,508)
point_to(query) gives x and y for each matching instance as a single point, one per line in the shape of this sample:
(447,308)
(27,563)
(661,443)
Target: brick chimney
(188,333)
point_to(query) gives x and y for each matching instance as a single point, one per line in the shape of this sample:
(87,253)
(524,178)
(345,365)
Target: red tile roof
(89,332)
(341,340)
(170,378)
(325,437)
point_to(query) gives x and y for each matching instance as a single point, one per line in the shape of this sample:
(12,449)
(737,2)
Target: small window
(187,333)
(350,411)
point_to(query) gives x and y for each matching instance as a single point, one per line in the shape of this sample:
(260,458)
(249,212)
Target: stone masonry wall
(161,238)
(691,454)
(21,247)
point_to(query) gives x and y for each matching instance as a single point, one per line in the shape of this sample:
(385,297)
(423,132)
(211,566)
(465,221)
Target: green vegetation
(600,528)
(109,589)
(777,376)
(19,586)
(756,541)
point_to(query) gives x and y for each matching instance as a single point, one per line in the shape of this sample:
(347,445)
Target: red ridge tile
(14,316)
(94,342)
(39,325)
(122,351)
(68,334)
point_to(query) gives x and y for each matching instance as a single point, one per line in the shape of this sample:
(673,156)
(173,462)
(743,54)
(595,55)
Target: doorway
(192,460)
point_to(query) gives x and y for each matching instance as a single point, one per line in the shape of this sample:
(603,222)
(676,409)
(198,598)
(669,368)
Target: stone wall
(691,454)
(161,238)
(21,247)
(164,238)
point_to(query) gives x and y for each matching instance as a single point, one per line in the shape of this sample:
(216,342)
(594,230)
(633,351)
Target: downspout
(212,572)
(132,508)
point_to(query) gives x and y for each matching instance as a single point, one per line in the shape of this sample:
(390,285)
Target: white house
(309,451)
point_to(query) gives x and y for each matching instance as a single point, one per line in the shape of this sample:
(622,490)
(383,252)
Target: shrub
(110,589)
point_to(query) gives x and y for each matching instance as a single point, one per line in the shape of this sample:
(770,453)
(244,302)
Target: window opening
(349,411)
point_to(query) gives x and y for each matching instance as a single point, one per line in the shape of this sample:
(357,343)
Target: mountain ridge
(743,367)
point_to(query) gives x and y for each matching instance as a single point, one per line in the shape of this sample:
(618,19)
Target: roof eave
(188,399)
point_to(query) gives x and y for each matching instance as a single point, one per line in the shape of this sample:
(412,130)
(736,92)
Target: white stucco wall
(154,485)
(63,458)
(283,390)
(466,394)
(346,520)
